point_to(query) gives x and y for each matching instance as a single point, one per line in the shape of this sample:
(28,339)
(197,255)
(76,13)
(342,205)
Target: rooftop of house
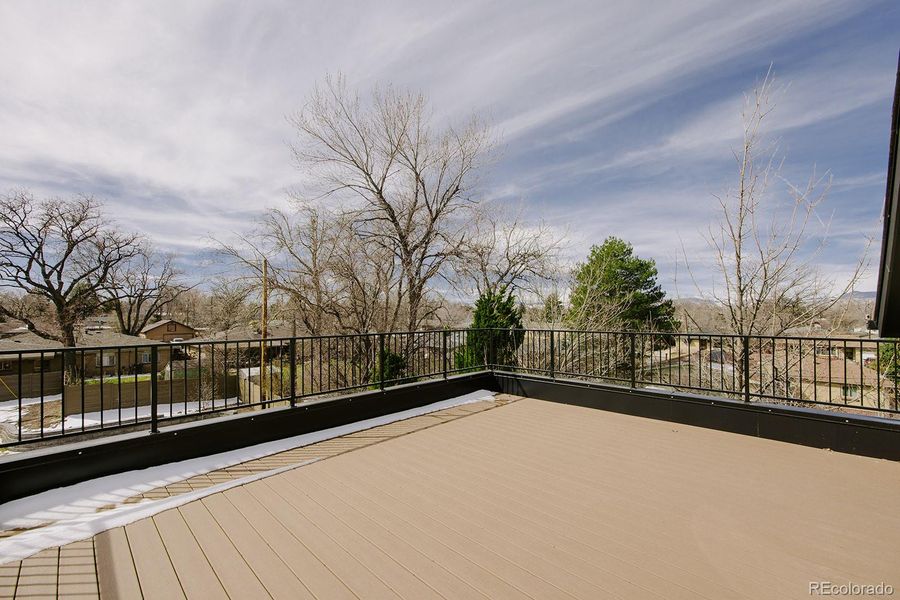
(12,327)
(87,337)
(536,500)
(839,372)
(155,324)
(275,329)
(109,337)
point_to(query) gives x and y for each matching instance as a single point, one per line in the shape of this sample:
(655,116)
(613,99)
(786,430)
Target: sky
(613,118)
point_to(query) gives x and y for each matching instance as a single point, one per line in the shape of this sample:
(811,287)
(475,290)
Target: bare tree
(501,251)
(767,243)
(408,184)
(62,251)
(191,307)
(331,279)
(140,288)
(764,245)
(228,304)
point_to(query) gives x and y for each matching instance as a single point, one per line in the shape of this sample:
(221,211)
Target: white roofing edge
(72,509)
(87,525)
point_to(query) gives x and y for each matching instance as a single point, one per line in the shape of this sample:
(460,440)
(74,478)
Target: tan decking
(531,499)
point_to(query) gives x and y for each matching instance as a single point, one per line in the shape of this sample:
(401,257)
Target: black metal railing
(849,374)
(49,393)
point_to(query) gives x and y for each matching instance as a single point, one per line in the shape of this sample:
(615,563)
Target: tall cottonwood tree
(138,289)
(60,250)
(407,182)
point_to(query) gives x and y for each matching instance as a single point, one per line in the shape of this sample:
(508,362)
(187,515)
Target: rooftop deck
(530,500)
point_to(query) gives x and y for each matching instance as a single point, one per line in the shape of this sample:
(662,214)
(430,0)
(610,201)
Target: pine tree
(496,332)
(613,275)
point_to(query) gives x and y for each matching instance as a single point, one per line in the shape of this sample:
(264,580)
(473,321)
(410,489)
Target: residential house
(168,330)
(823,374)
(36,363)
(843,381)
(11,328)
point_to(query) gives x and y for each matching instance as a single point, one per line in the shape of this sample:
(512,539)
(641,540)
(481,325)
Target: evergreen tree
(553,309)
(614,276)
(496,332)
(889,362)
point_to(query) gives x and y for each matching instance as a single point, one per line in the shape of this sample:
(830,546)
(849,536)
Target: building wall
(866,395)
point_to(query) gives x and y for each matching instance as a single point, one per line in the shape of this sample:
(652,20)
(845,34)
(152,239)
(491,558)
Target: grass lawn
(115,379)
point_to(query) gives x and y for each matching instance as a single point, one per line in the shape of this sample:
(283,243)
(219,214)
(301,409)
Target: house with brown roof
(12,327)
(168,330)
(38,362)
(830,379)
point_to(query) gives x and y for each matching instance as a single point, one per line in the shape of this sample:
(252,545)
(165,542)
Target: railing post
(746,366)
(444,351)
(552,354)
(381,358)
(154,392)
(632,351)
(292,369)
(492,358)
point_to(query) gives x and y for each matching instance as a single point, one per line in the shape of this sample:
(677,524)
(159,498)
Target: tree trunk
(70,358)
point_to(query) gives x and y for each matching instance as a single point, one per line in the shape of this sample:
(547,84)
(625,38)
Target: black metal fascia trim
(887,296)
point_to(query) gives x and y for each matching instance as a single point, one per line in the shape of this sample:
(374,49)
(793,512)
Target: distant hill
(862,295)
(851,296)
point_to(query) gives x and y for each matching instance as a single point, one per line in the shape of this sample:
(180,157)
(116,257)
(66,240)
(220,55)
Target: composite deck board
(540,515)
(77,571)
(582,536)
(115,565)
(151,560)
(402,581)
(778,488)
(430,569)
(496,559)
(538,501)
(453,559)
(531,500)
(541,558)
(9,577)
(38,575)
(275,575)
(620,504)
(807,521)
(355,574)
(238,579)
(320,580)
(197,577)
(500,523)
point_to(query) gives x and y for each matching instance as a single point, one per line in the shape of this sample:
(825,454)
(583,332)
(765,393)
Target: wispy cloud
(615,116)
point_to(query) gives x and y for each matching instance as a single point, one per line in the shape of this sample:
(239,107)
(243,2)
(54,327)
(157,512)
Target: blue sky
(614,118)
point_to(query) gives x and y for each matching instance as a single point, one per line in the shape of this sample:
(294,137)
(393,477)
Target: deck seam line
(133,563)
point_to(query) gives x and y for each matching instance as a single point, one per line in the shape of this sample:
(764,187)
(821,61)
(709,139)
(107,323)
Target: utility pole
(263,330)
